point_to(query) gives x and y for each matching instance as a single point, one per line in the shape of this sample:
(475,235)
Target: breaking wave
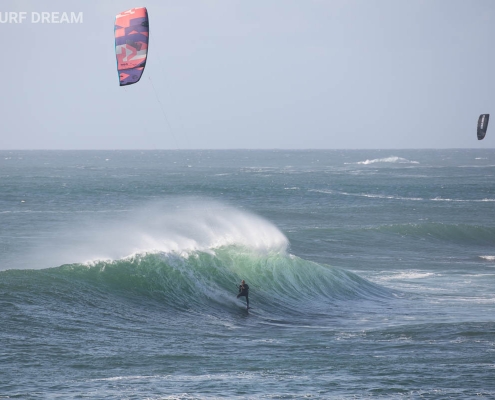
(188,257)
(392,159)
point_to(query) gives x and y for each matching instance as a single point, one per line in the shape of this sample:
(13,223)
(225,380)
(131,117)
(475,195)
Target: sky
(252,74)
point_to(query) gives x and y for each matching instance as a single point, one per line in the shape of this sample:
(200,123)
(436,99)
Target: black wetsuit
(244,291)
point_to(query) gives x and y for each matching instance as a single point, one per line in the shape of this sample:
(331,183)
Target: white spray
(178,225)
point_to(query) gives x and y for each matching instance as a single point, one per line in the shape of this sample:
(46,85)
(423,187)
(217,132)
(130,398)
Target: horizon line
(267,149)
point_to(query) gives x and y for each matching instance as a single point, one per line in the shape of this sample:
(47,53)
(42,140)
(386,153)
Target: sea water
(371,274)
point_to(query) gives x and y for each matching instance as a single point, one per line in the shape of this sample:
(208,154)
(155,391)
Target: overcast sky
(257,74)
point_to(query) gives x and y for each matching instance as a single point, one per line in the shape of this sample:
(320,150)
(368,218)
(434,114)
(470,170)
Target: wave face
(204,281)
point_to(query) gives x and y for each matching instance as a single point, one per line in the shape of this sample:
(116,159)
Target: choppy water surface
(372,274)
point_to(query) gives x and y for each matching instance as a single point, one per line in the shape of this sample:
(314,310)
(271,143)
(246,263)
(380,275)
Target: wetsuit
(244,291)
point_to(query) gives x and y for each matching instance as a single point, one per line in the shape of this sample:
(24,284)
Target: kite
(482,125)
(131,44)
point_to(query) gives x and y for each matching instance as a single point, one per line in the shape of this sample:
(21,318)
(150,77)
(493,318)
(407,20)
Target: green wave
(202,279)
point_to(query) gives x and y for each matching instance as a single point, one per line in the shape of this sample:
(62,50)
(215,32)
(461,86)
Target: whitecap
(392,159)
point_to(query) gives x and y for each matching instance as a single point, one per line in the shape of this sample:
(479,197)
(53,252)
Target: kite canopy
(131,44)
(482,125)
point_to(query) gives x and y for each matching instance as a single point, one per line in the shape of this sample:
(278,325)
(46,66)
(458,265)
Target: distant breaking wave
(460,200)
(392,159)
(369,195)
(395,197)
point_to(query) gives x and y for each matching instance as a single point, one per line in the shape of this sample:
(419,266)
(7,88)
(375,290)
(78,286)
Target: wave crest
(178,226)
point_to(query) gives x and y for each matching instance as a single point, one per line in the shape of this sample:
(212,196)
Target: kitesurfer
(244,291)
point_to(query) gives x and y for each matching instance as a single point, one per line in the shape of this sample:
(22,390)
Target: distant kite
(131,44)
(482,125)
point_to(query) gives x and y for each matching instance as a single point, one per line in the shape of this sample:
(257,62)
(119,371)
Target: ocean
(371,274)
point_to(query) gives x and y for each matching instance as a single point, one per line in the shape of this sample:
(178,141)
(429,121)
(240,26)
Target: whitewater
(371,274)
